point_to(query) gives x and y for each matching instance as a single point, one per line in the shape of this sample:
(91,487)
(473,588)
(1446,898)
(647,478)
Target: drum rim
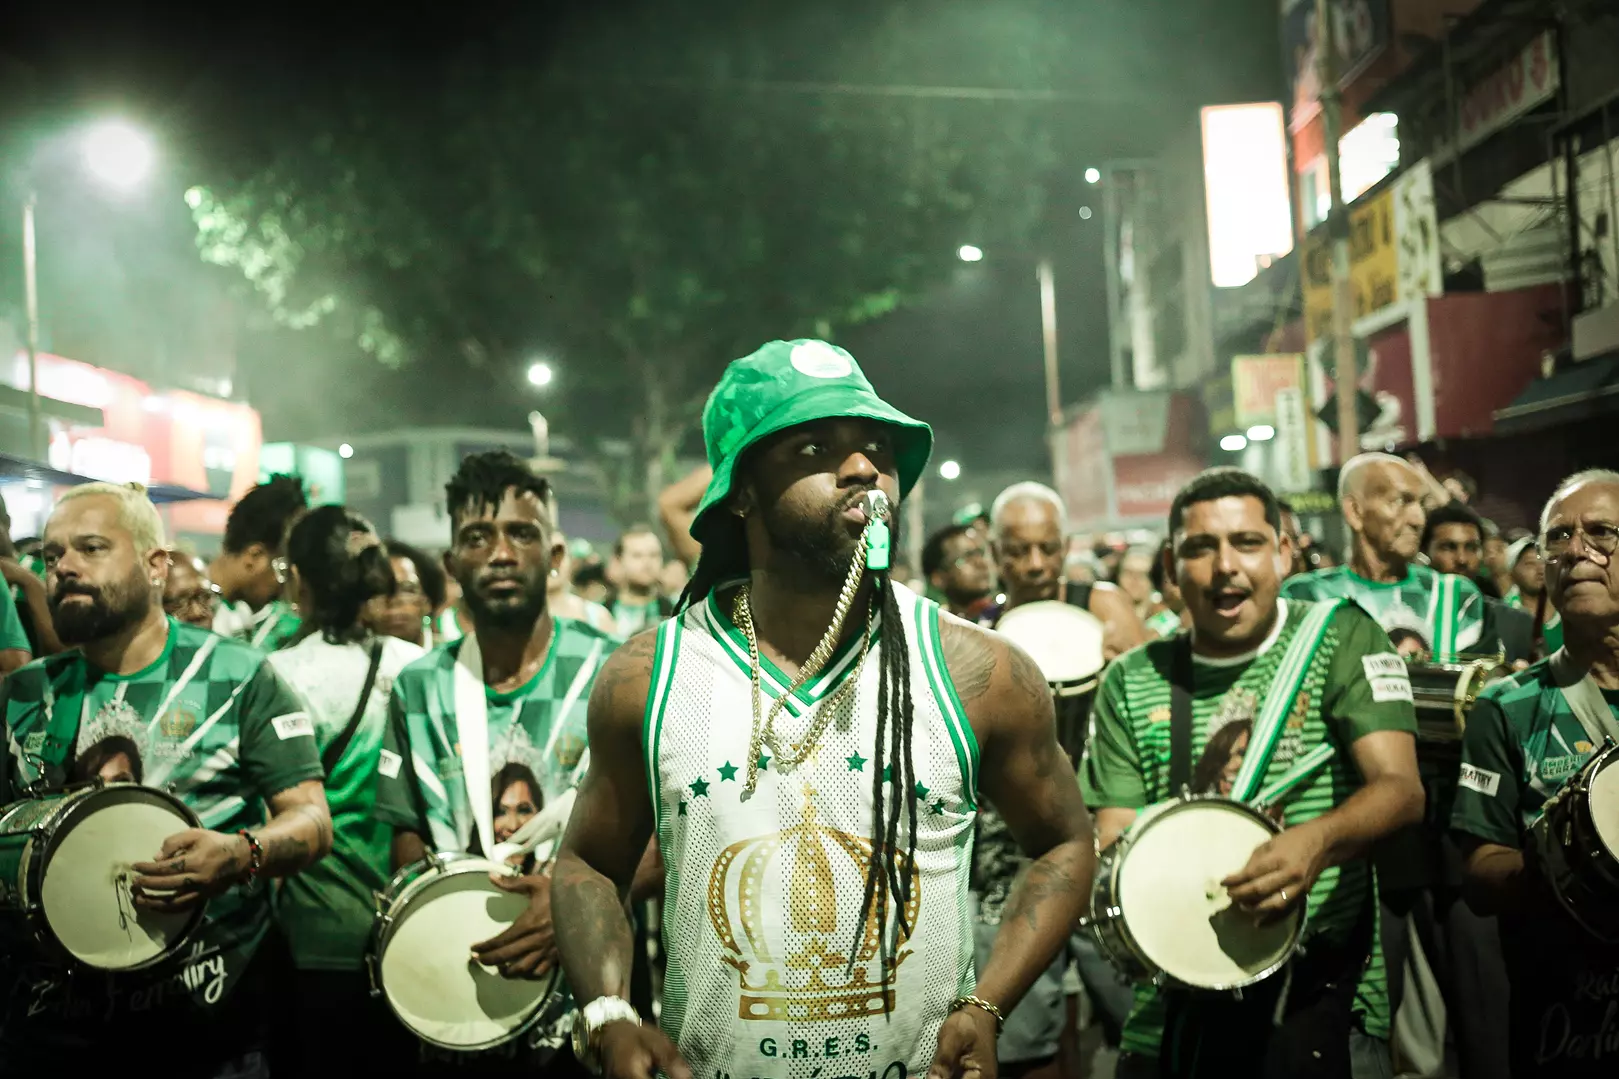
(1159,975)
(74,807)
(409,881)
(1071,614)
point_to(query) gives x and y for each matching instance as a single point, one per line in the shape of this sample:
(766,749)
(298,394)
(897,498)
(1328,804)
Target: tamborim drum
(1445,693)
(1577,842)
(65,875)
(1064,641)
(1158,910)
(421,959)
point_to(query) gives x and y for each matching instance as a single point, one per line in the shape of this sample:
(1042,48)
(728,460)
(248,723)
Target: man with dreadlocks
(808,741)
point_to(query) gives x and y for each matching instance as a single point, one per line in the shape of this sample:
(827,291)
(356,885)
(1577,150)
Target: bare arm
(1122,628)
(1026,776)
(648,884)
(1498,878)
(408,847)
(677,506)
(608,832)
(12,659)
(33,594)
(299,831)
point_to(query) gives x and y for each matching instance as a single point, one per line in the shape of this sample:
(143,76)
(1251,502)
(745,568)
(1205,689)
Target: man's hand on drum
(527,949)
(193,866)
(1279,873)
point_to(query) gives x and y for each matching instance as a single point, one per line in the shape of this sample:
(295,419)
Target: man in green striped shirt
(1526,739)
(1419,871)
(1228,559)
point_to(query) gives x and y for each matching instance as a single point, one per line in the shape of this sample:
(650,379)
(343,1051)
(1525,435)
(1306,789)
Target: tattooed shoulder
(969,657)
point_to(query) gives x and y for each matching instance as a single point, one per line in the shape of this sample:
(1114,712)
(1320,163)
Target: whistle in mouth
(877,536)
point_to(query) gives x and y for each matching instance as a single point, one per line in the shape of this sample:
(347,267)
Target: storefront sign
(1374,265)
(1520,84)
(1292,455)
(1256,381)
(1360,30)
(1416,232)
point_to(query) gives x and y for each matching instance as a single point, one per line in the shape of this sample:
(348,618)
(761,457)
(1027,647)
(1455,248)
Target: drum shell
(29,829)
(1580,869)
(1444,695)
(408,884)
(1109,924)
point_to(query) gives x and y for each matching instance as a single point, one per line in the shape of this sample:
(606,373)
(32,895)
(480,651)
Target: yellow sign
(1255,381)
(1374,265)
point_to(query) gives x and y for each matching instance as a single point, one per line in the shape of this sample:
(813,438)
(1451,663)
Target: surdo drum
(421,960)
(1159,913)
(1577,843)
(1065,643)
(66,881)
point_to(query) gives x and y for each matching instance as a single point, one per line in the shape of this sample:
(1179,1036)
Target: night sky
(121,285)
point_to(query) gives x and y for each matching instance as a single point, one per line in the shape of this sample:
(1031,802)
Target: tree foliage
(636,203)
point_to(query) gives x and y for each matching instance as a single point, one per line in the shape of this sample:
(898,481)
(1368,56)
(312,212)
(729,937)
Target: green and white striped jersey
(771,971)
(1444,611)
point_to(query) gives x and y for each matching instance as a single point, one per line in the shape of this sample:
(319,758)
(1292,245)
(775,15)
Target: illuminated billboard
(1245,183)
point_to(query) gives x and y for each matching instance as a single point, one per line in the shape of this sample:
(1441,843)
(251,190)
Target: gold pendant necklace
(763,733)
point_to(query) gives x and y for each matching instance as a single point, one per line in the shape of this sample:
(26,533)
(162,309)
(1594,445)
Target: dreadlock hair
(483,480)
(889,890)
(263,514)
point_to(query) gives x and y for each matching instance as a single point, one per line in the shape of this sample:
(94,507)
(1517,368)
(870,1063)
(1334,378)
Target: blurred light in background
(1093,175)
(1233,444)
(118,155)
(950,470)
(1245,179)
(969,253)
(540,374)
(1261,433)
(1084,213)
(345,451)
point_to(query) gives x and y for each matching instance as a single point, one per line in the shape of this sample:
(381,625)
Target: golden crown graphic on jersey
(798,968)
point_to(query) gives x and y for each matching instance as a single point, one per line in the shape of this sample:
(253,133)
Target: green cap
(786,383)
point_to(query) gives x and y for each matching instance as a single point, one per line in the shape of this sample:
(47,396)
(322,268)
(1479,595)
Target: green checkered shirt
(420,786)
(212,723)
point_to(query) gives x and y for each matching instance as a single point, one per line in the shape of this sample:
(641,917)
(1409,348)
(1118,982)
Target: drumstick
(1291,779)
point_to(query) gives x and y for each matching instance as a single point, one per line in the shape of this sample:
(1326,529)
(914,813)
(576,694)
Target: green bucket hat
(786,383)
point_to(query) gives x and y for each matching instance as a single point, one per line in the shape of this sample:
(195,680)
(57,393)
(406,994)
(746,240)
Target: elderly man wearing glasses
(189,594)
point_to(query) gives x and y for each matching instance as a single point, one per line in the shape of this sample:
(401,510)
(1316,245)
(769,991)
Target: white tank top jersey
(770,971)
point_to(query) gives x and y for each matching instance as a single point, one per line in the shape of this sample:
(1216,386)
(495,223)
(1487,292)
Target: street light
(970,253)
(949,470)
(1233,444)
(540,373)
(1093,175)
(119,157)
(345,451)
(1261,433)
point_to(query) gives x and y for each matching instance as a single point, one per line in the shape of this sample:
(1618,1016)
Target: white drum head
(1604,804)
(1064,642)
(429,976)
(1169,888)
(86,892)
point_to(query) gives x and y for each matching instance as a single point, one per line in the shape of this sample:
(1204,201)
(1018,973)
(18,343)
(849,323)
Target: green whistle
(877,545)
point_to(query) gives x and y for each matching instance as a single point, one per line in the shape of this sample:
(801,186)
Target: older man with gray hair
(1420,869)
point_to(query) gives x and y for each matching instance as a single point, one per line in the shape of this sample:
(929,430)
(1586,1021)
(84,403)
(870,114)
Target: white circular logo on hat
(819,360)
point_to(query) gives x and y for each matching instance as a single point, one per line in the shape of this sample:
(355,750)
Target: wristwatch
(591,1019)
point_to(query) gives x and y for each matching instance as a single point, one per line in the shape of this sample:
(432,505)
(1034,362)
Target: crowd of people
(822,816)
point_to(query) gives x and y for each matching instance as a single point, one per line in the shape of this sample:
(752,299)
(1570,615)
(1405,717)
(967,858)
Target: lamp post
(120,157)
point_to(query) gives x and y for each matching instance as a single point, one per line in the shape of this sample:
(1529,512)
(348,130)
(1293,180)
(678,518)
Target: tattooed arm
(607,832)
(1026,776)
(198,863)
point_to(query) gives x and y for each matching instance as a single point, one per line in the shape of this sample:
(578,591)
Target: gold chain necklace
(763,732)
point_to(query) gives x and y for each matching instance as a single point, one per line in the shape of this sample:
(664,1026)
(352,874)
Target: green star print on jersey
(209,721)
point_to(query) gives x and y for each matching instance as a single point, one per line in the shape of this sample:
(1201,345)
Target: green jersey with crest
(537,730)
(1444,611)
(1355,685)
(213,724)
(1523,743)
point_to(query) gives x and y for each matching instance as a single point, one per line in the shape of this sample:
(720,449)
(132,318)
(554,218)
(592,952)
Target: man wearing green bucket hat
(808,741)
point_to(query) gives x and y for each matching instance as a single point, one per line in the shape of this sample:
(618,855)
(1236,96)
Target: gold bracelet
(979,1003)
